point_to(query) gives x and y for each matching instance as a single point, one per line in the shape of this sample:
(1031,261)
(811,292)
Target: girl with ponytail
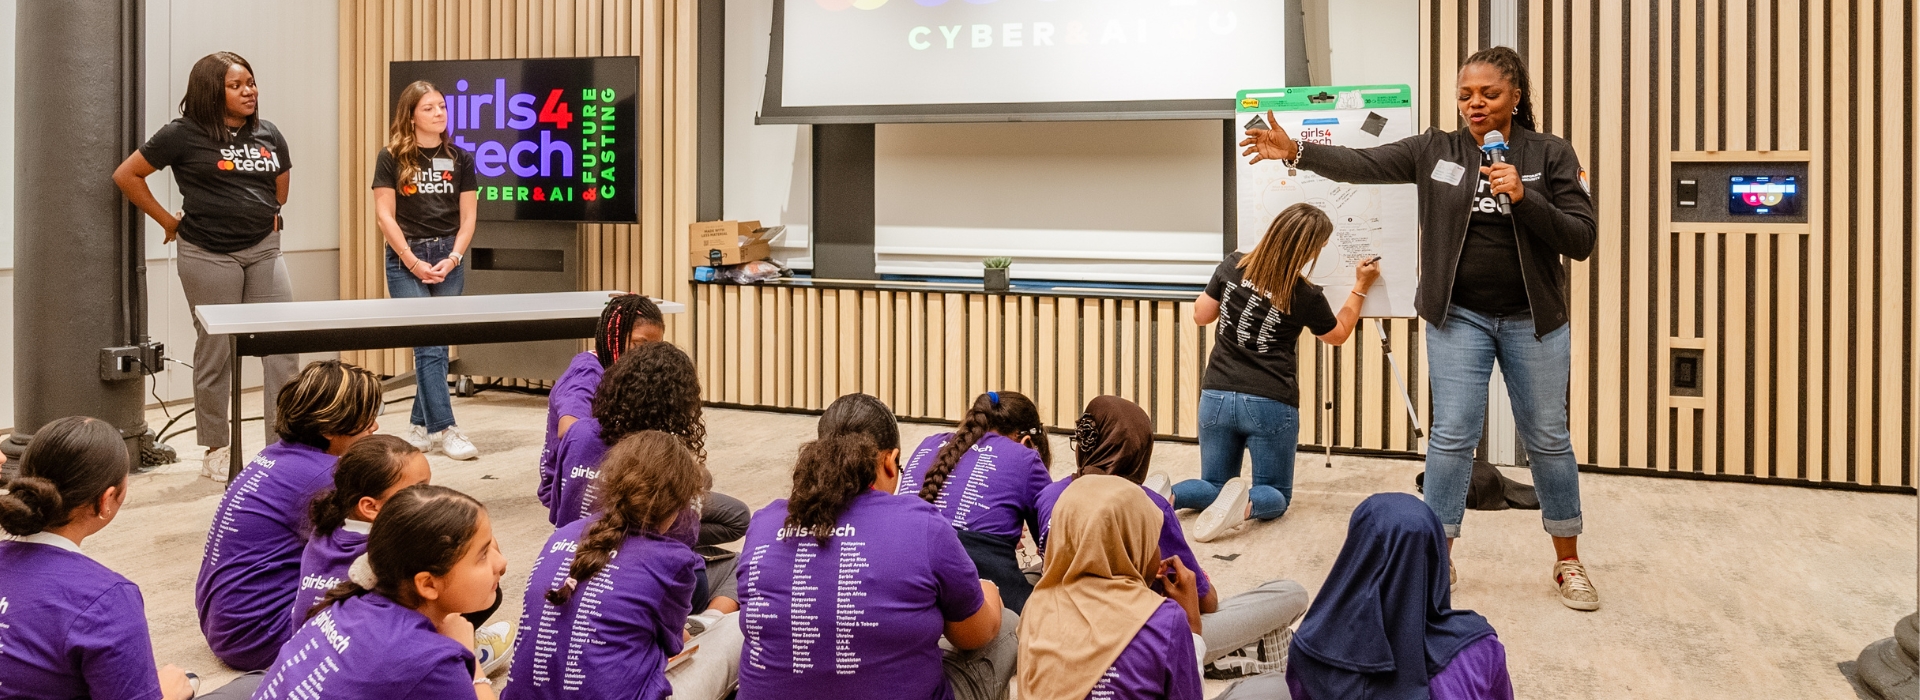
(72,628)
(369,474)
(396,628)
(613,591)
(1495,237)
(847,589)
(983,478)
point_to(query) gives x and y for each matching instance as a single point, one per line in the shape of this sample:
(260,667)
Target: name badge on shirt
(443,164)
(1448,172)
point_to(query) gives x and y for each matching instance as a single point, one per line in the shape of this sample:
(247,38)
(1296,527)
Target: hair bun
(29,505)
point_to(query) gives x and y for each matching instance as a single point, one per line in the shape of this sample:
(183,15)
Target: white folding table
(258,330)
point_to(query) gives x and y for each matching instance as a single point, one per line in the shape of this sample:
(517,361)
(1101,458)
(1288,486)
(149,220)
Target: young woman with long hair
(1114,437)
(612,591)
(847,591)
(1492,288)
(1250,395)
(983,478)
(250,575)
(397,629)
(424,202)
(73,628)
(232,169)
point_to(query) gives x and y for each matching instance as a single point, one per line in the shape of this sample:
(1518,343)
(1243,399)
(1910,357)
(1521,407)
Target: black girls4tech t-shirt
(1489,279)
(226,188)
(429,206)
(1255,344)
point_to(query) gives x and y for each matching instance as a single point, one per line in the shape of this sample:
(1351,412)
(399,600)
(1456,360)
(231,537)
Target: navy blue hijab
(1383,625)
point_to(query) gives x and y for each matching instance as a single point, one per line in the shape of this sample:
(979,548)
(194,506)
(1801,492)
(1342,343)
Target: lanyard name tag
(443,164)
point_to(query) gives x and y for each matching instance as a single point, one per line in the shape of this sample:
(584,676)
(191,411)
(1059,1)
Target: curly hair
(645,480)
(831,472)
(1008,413)
(1514,69)
(653,387)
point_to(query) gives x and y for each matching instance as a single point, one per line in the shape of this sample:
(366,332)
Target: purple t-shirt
(70,627)
(251,571)
(369,648)
(572,395)
(576,467)
(990,490)
(1478,672)
(1159,664)
(324,564)
(613,637)
(860,619)
(1173,540)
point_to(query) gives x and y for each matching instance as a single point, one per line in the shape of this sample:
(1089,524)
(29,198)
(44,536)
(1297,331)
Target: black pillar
(843,201)
(78,252)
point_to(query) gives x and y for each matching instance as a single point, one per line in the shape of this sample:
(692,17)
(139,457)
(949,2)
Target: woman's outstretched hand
(1271,143)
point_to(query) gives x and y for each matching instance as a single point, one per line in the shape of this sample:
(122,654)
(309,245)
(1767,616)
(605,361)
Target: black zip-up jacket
(1555,218)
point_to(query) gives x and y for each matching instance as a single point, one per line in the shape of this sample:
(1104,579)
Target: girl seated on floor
(71,627)
(1384,625)
(397,629)
(847,590)
(1093,628)
(983,478)
(609,594)
(1115,437)
(628,321)
(250,574)
(371,471)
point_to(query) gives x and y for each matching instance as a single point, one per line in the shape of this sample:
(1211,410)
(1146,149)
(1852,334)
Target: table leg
(233,410)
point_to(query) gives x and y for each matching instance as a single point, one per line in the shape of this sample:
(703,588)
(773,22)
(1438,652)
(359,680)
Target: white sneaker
(455,444)
(418,438)
(214,464)
(492,644)
(1228,510)
(1160,483)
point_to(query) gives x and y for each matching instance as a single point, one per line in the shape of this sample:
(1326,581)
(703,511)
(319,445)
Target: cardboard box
(737,241)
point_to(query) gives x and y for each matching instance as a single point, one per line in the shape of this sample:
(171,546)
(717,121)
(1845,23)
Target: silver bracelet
(1357,293)
(457,258)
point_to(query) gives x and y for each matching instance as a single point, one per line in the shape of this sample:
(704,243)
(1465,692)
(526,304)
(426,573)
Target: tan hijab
(1093,597)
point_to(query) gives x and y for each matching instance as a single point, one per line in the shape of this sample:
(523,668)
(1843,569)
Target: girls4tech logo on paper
(249,158)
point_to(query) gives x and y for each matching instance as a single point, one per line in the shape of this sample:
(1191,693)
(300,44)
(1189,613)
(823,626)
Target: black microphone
(1496,147)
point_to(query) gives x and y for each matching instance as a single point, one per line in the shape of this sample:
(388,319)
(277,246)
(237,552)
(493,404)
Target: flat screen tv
(553,139)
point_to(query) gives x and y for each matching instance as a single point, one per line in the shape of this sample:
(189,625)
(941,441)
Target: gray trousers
(983,674)
(1246,617)
(252,276)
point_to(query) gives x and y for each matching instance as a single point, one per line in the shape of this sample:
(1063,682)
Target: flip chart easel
(1369,220)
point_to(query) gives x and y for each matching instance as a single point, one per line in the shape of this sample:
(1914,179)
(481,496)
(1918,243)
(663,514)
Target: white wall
(769,169)
(297,66)
(1373,42)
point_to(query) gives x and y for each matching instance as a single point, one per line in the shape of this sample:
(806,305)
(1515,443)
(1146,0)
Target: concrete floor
(1710,590)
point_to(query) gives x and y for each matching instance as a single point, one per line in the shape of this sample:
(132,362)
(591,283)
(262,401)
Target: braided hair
(616,325)
(654,387)
(831,472)
(1008,413)
(647,479)
(1514,69)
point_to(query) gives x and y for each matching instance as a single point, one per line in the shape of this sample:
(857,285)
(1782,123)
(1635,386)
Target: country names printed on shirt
(545,641)
(757,611)
(239,493)
(328,646)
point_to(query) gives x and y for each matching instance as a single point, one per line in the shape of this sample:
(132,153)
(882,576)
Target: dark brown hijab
(1114,437)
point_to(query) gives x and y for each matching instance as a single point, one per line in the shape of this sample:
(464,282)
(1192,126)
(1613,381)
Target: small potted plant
(995,277)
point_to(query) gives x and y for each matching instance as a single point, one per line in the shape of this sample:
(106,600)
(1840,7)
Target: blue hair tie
(993,397)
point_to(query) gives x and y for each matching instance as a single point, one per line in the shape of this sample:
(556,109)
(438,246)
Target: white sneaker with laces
(1228,509)
(491,645)
(1160,483)
(418,438)
(455,444)
(1576,590)
(214,464)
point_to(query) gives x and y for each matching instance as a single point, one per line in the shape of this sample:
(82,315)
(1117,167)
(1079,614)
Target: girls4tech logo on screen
(552,139)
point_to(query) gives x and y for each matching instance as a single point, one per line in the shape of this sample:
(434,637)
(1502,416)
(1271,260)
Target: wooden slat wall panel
(1808,337)
(648,257)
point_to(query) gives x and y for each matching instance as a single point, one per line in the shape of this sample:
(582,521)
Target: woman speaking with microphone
(1492,286)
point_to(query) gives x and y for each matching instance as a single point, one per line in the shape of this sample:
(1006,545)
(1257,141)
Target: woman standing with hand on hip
(423,199)
(232,170)
(1492,288)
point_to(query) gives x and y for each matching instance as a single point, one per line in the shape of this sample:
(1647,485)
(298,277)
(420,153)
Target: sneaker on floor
(214,464)
(492,644)
(417,437)
(1160,483)
(1267,655)
(455,444)
(1576,590)
(1228,509)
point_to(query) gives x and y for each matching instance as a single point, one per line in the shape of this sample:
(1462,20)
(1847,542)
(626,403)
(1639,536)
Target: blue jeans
(1232,423)
(432,406)
(1460,359)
